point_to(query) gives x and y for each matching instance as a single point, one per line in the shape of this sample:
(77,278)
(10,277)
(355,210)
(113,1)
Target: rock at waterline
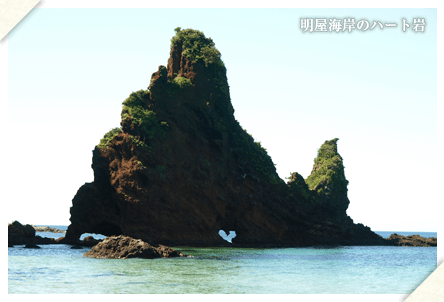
(26,231)
(76,247)
(47,229)
(412,240)
(124,247)
(32,246)
(20,234)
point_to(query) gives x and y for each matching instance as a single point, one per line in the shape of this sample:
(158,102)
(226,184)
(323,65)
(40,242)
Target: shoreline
(19,234)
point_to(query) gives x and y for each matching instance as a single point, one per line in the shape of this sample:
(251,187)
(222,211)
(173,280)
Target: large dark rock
(20,234)
(123,247)
(76,247)
(90,241)
(43,240)
(16,239)
(181,168)
(26,231)
(412,240)
(32,246)
(87,241)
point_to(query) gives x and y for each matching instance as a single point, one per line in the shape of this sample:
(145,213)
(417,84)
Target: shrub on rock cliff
(109,136)
(144,119)
(176,84)
(254,153)
(298,188)
(196,46)
(182,82)
(327,176)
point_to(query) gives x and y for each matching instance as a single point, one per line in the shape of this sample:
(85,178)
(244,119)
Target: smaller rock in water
(47,229)
(20,234)
(26,231)
(32,246)
(124,247)
(90,241)
(43,240)
(412,240)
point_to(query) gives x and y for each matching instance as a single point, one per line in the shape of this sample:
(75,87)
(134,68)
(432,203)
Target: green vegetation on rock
(143,119)
(196,46)
(160,169)
(327,176)
(140,165)
(254,153)
(298,187)
(176,84)
(104,142)
(139,143)
(182,82)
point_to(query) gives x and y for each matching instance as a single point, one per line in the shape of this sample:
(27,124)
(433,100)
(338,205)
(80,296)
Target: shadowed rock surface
(181,168)
(25,231)
(412,240)
(32,246)
(20,234)
(123,247)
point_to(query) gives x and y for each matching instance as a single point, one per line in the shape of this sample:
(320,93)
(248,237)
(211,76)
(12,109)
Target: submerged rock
(32,246)
(44,240)
(412,240)
(181,168)
(124,247)
(76,247)
(87,241)
(90,241)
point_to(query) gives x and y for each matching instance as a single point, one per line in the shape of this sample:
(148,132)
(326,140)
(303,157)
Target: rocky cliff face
(181,168)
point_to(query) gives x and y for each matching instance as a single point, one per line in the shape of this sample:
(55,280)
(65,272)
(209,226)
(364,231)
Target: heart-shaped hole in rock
(228,237)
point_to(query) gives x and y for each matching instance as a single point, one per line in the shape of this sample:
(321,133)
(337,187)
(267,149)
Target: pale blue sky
(70,70)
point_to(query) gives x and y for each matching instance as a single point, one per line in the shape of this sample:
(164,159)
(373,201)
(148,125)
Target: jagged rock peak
(195,70)
(327,177)
(191,46)
(181,168)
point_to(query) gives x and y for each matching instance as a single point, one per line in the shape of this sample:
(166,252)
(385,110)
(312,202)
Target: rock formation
(47,229)
(181,168)
(412,240)
(124,247)
(19,234)
(32,246)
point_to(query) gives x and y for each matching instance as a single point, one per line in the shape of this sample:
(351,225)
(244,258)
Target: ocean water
(339,270)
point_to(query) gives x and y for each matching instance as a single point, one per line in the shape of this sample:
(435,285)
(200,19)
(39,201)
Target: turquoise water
(340,270)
